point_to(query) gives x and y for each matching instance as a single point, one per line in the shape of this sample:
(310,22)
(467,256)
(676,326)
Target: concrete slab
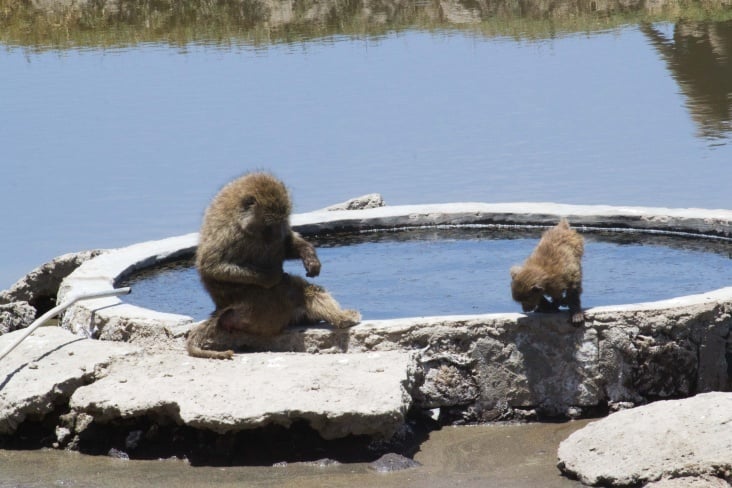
(45,369)
(338,394)
(111,318)
(489,366)
(667,439)
(695,221)
(91,317)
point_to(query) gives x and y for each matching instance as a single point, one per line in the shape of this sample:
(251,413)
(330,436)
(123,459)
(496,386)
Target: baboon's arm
(297,247)
(577,316)
(546,306)
(232,273)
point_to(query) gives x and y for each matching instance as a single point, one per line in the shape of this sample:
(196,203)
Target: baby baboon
(244,240)
(554,269)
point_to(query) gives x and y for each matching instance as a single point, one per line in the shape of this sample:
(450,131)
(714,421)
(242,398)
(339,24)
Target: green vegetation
(59,24)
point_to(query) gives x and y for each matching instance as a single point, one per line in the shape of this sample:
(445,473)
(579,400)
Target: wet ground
(509,456)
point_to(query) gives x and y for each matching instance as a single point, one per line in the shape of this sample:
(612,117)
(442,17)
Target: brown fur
(244,240)
(204,336)
(554,269)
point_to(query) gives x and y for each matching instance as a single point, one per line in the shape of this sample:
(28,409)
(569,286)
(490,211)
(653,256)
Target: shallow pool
(465,271)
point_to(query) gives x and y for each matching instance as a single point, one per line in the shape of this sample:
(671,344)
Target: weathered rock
(393,462)
(666,439)
(16,315)
(117,454)
(372,200)
(337,394)
(692,221)
(45,369)
(40,286)
(690,482)
(480,367)
(111,319)
(502,365)
(444,384)
(322,463)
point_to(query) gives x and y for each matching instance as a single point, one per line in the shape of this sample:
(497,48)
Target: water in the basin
(419,273)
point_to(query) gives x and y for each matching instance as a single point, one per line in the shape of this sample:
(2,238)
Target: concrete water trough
(364,380)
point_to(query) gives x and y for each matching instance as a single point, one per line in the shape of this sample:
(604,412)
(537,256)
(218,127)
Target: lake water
(447,272)
(106,143)
(121,126)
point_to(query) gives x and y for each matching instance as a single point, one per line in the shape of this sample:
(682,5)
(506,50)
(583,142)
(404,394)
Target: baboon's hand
(312,265)
(578,318)
(299,247)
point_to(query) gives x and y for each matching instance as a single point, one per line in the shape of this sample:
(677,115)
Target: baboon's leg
(234,318)
(577,316)
(266,313)
(317,304)
(320,305)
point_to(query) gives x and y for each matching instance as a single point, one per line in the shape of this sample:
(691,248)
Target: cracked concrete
(45,369)
(470,368)
(688,440)
(103,381)
(479,367)
(347,394)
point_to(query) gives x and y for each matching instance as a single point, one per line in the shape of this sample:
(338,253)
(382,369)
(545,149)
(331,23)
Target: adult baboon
(244,240)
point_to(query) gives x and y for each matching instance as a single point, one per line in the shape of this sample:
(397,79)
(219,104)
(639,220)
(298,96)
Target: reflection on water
(431,272)
(699,57)
(126,116)
(60,23)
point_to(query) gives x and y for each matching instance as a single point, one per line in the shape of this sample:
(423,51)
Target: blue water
(104,148)
(424,273)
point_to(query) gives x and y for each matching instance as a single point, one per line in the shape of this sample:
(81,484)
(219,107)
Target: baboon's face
(523,291)
(259,204)
(529,299)
(270,219)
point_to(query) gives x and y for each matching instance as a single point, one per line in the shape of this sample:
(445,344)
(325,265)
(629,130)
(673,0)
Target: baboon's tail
(197,352)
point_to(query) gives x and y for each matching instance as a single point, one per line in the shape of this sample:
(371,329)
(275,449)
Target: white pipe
(60,308)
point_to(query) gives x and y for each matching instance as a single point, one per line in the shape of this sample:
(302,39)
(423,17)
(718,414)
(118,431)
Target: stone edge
(103,272)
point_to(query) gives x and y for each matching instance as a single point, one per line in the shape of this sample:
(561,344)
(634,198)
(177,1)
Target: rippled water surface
(117,134)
